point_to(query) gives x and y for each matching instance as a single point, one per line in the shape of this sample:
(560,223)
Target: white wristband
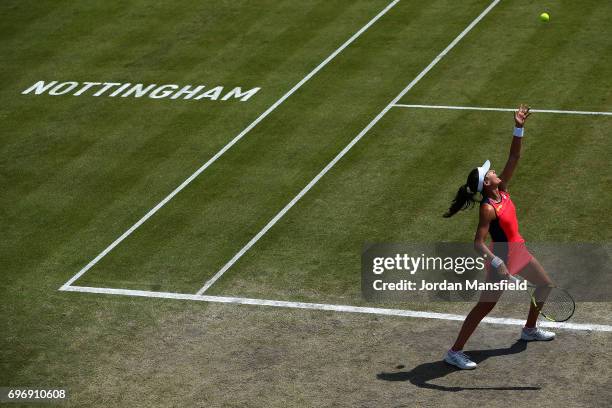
(518,132)
(496,262)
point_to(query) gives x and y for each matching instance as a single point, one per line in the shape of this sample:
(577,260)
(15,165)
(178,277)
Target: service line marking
(332,308)
(226,148)
(477,108)
(348,147)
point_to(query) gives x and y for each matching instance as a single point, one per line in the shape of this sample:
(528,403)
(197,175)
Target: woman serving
(507,255)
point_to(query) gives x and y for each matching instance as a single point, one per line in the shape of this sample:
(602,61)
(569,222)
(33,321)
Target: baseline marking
(348,147)
(477,108)
(331,307)
(225,148)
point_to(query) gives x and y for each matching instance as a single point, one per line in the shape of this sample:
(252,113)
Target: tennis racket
(559,306)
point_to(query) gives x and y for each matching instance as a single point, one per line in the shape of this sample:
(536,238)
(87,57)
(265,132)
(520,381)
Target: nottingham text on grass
(154,91)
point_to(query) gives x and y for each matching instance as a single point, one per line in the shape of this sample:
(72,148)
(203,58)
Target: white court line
(332,308)
(225,148)
(476,108)
(348,147)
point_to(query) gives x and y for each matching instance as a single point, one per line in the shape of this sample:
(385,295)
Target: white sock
(529,329)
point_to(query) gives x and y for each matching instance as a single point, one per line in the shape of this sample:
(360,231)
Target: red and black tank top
(505,226)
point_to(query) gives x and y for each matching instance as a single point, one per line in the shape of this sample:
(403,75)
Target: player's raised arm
(520,117)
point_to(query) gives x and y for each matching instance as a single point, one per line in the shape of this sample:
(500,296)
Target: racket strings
(559,305)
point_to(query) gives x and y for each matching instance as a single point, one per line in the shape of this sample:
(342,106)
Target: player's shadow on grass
(422,374)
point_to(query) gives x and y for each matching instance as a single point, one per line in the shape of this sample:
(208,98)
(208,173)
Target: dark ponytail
(465,196)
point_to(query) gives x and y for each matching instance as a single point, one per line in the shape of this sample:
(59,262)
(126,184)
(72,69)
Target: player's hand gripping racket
(558,305)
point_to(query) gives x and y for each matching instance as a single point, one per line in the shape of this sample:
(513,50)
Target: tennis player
(507,255)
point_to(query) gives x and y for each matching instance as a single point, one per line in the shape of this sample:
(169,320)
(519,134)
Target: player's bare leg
(535,273)
(486,303)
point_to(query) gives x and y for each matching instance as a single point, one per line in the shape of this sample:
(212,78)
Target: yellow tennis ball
(544,17)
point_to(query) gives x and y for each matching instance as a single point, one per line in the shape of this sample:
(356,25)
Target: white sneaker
(536,334)
(458,359)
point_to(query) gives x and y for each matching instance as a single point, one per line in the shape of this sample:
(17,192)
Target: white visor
(482,172)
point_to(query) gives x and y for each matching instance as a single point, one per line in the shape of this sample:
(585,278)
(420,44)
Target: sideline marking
(225,148)
(476,108)
(348,147)
(331,307)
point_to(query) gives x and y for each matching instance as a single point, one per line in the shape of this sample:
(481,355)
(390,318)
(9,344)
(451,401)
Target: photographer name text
(423,285)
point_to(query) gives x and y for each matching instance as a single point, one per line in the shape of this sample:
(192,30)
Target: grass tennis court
(329,153)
